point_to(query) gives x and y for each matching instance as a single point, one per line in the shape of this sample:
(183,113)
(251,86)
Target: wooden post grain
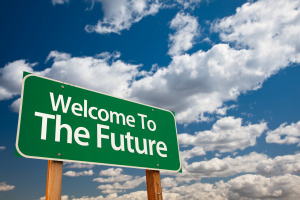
(54,180)
(153,185)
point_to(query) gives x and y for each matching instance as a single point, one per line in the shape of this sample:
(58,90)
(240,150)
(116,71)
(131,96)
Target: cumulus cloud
(186,30)
(2,148)
(114,179)
(120,15)
(260,187)
(5,187)
(252,163)
(120,187)
(11,78)
(227,134)
(76,174)
(59,56)
(285,134)
(111,172)
(227,166)
(247,186)
(78,165)
(267,28)
(118,182)
(114,175)
(261,39)
(280,165)
(168,182)
(89,72)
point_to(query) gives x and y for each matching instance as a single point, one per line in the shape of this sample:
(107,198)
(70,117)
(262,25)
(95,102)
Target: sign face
(59,121)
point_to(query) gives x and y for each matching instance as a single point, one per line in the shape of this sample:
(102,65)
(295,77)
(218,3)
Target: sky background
(229,69)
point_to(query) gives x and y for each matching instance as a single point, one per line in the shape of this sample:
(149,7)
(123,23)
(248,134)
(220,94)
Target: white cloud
(89,72)
(15,106)
(120,187)
(4,187)
(118,182)
(187,30)
(168,182)
(63,197)
(11,78)
(82,173)
(265,39)
(202,190)
(252,163)
(227,166)
(189,3)
(78,165)
(111,172)
(114,179)
(269,29)
(121,14)
(280,165)
(58,56)
(60,2)
(227,134)
(260,187)
(285,134)
(244,187)
(137,195)
(264,36)
(2,148)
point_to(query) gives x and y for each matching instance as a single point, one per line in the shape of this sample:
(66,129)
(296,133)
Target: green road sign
(59,121)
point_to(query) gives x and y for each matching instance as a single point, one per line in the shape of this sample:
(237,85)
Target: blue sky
(229,69)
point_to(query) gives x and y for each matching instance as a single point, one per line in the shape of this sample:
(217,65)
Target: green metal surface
(144,124)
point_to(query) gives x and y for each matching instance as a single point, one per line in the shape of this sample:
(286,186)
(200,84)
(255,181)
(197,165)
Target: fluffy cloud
(268,29)
(78,165)
(120,15)
(118,182)
(115,176)
(82,173)
(280,165)
(243,187)
(2,148)
(11,78)
(227,166)
(202,190)
(111,172)
(264,39)
(5,187)
(252,163)
(186,28)
(227,134)
(285,134)
(93,73)
(113,179)
(168,182)
(120,187)
(260,187)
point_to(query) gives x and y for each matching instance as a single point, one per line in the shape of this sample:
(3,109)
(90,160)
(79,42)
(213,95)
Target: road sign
(60,121)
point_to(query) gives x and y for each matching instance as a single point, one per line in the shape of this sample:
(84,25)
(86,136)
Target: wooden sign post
(153,185)
(54,180)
